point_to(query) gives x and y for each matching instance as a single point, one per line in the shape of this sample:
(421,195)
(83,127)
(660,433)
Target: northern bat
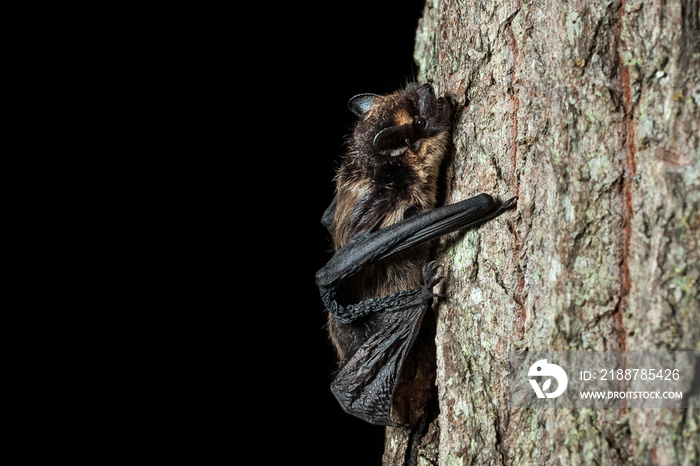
(378,284)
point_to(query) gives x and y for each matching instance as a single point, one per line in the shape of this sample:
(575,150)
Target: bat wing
(328,214)
(365,385)
(466,214)
(377,245)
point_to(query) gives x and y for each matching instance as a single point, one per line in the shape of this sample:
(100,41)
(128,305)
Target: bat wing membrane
(365,385)
(458,217)
(374,246)
(329,214)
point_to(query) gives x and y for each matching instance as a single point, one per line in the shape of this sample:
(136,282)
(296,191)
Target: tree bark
(588,111)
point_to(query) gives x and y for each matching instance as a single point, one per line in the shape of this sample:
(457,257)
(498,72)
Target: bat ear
(426,98)
(392,138)
(360,104)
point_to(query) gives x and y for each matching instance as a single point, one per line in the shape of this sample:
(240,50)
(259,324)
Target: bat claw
(509,203)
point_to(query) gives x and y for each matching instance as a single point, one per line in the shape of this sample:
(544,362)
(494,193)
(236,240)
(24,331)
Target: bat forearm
(377,245)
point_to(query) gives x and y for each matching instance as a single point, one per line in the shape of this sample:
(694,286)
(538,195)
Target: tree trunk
(588,112)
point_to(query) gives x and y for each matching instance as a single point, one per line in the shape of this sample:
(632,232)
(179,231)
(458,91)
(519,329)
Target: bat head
(393,159)
(399,124)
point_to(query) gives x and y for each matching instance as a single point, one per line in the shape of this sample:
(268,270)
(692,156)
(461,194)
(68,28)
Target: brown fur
(373,185)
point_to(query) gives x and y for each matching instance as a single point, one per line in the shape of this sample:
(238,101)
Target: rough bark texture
(588,111)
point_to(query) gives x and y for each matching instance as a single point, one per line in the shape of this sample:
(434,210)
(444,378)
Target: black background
(351,48)
(211,139)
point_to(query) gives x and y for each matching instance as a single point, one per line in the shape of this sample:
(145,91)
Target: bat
(378,284)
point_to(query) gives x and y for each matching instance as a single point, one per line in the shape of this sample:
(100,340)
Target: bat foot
(431,276)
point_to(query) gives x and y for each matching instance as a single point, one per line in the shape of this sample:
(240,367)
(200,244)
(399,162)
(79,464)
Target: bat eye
(419,122)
